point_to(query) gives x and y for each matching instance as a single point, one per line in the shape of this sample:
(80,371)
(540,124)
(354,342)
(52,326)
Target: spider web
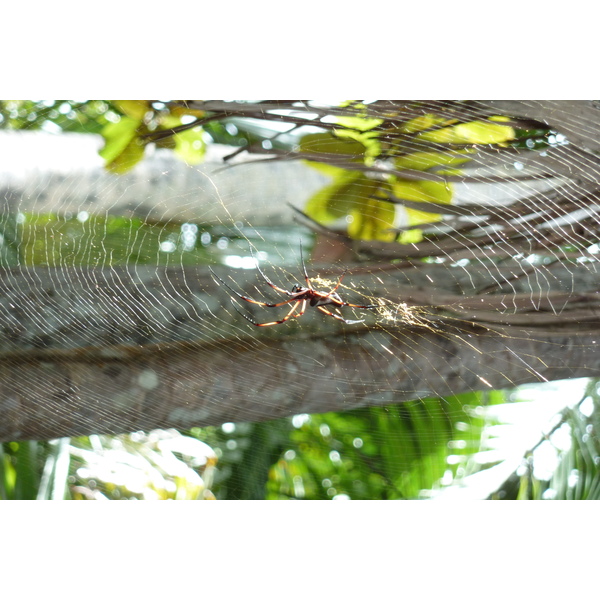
(112,323)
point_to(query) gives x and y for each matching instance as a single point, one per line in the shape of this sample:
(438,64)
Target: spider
(299,297)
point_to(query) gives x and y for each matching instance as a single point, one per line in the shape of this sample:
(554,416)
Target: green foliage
(159,465)
(53,240)
(127,138)
(575,444)
(398,451)
(124,124)
(89,116)
(357,140)
(327,143)
(355,195)
(247,452)
(31,470)
(123,147)
(20,470)
(190,145)
(475,132)
(394,452)
(9,240)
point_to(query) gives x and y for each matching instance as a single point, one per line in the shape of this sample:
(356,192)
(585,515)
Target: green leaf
(359,123)
(354,195)
(136,109)
(422,191)
(326,143)
(129,157)
(422,122)
(337,199)
(411,236)
(476,132)
(117,136)
(479,132)
(369,140)
(421,161)
(8,476)
(190,145)
(326,168)
(123,148)
(372,220)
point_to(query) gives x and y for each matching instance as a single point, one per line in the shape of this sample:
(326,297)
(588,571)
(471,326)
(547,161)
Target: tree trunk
(111,350)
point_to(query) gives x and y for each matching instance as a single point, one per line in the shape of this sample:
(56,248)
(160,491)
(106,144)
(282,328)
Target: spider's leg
(347,321)
(340,302)
(275,287)
(290,315)
(360,305)
(247,298)
(348,303)
(337,285)
(308,284)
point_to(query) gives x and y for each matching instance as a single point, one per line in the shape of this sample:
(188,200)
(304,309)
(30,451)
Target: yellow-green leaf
(128,158)
(136,109)
(166,142)
(421,161)
(423,191)
(372,220)
(359,123)
(421,123)
(179,111)
(353,195)
(476,132)
(326,143)
(369,140)
(117,136)
(421,217)
(411,236)
(169,121)
(326,168)
(190,145)
(479,132)
(336,199)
